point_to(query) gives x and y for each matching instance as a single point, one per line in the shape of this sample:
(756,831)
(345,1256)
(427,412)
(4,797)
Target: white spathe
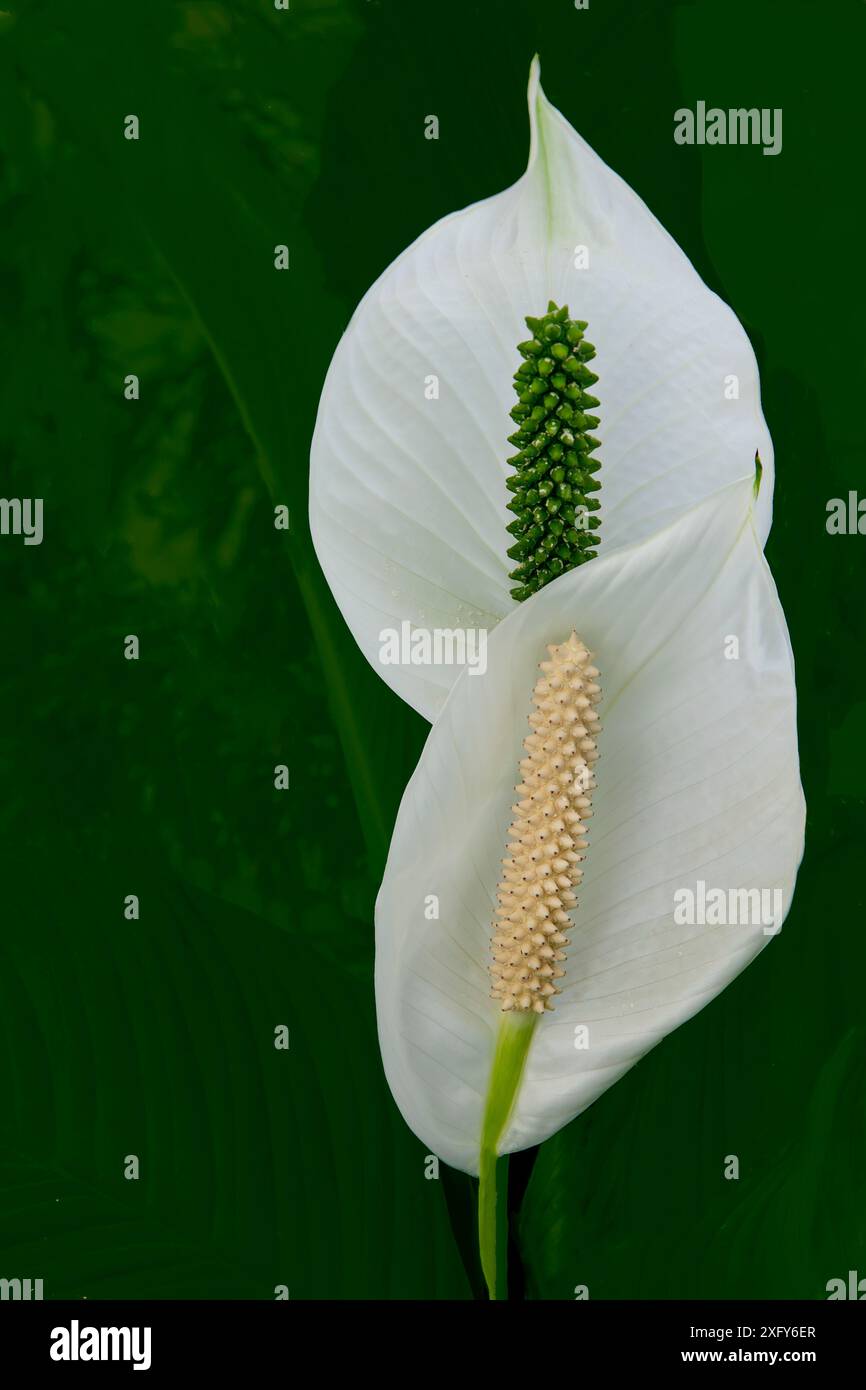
(408,503)
(697,779)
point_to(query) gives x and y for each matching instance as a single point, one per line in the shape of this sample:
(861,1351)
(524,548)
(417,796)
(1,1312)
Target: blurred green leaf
(258,1166)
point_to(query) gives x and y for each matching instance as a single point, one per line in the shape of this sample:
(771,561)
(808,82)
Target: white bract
(697,781)
(408,503)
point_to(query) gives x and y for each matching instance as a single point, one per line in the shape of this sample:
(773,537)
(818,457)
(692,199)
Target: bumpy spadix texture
(554,478)
(547,834)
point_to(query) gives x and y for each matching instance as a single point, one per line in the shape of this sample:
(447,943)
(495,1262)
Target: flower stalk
(512,1047)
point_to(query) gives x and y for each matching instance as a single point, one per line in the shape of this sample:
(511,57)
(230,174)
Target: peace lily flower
(409,503)
(670,659)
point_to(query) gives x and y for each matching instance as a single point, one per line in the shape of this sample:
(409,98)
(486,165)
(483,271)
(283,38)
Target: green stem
(512,1047)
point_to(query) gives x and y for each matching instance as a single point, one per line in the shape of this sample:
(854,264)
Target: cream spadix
(408,495)
(546,836)
(698,781)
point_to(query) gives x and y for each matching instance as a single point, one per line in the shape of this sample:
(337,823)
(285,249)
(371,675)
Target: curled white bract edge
(408,504)
(697,781)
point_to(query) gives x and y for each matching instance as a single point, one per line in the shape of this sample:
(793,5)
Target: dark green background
(155,777)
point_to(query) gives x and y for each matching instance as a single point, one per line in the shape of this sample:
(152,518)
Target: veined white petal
(408,504)
(698,781)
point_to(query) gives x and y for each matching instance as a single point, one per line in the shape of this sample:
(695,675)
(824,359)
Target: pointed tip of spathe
(534,95)
(542,112)
(759,473)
